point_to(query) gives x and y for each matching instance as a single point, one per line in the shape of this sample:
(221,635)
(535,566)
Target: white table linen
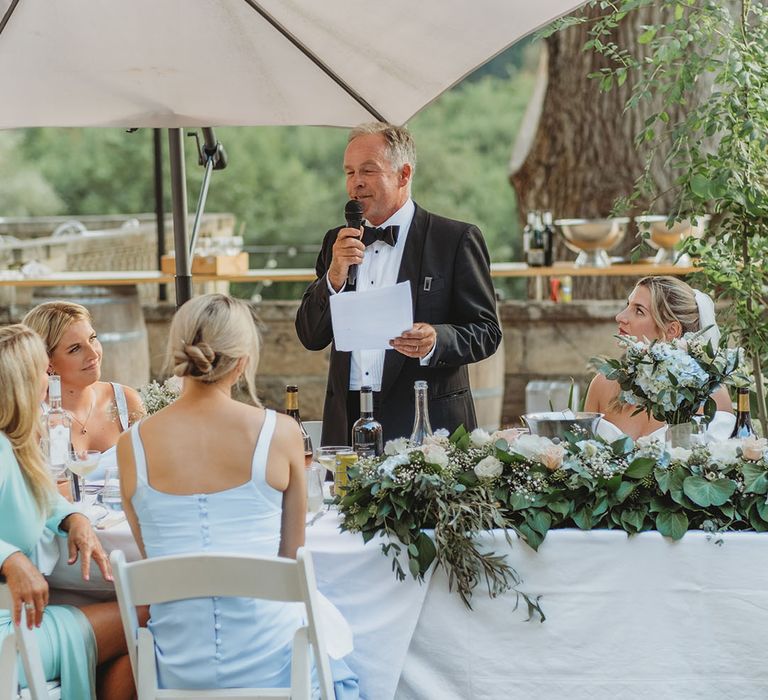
(627,617)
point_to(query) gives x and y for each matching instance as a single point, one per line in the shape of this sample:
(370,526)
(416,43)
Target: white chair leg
(147,671)
(30,658)
(301,666)
(9,670)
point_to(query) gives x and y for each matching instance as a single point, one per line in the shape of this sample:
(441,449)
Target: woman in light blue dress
(211,474)
(72,641)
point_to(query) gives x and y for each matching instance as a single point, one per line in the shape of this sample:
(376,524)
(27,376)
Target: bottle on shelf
(367,433)
(292,409)
(536,247)
(527,233)
(549,239)
(743,427)
(421,426)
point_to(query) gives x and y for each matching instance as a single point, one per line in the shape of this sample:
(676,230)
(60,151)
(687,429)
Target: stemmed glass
(81,463)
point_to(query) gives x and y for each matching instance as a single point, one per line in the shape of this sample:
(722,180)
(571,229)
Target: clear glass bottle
(367,433)
(58,428)
(528,233)
(421,426)
(292,409)
(743,427)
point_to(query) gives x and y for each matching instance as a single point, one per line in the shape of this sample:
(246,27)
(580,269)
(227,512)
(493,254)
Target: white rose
(679,454)
(508,434)
(489,467)
(479,437)
(441,433)
(436,439)
(397,446)
(530,446)
(724,452)
(753,448)
(552,457)
(434,454)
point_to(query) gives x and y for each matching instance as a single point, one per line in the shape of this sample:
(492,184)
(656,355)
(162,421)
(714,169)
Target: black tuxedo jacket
(458,301)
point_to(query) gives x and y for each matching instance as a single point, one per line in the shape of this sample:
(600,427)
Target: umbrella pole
(183,277)
(162,292)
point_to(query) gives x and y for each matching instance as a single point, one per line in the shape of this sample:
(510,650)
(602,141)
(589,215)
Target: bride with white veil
(659,308)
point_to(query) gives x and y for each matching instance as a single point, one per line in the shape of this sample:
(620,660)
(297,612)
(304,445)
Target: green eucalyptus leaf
(755,479)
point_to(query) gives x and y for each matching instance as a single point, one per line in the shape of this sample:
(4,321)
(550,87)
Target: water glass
(110,494)
(81,463)
(314,474)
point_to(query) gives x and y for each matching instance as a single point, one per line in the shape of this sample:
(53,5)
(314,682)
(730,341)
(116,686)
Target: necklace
(83,429)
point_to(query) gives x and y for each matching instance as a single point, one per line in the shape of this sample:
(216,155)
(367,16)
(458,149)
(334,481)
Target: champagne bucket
(554,424)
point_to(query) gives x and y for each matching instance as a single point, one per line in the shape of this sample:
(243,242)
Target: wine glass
(326,455)
(82,463)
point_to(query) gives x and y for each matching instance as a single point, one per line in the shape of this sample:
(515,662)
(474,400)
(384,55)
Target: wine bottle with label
(743,427)
(292,409)
(536,249)
(421,426)
(367,433)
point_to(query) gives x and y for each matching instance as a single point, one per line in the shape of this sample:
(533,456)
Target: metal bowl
(592,238)
(554,424)
(665,239)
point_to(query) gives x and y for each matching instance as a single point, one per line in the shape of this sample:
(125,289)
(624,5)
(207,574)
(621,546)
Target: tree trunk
(575,153)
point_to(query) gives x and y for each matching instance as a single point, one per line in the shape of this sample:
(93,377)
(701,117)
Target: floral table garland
(474,482)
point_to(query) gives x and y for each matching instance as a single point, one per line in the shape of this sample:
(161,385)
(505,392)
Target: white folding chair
(22,644)
(165,579)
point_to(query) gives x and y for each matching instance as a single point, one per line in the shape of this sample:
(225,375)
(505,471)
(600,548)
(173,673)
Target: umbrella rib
(7,15)
(314,58)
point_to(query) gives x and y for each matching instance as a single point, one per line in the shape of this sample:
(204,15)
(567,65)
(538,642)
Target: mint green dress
(66,640)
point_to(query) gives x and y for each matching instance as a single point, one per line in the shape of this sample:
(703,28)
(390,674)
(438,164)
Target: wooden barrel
(119,322)
(486,378)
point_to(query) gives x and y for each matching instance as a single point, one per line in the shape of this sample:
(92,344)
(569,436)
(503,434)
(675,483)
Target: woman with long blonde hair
(73,641)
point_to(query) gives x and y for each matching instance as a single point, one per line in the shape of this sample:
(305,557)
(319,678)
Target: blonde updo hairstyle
(22,361)
(209,335)
(671,300)
(51,319)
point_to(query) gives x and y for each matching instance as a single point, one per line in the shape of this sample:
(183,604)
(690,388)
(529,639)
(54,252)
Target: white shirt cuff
(330,286)
(424,361)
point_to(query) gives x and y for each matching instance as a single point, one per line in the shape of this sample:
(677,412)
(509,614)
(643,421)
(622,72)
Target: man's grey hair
(400,146)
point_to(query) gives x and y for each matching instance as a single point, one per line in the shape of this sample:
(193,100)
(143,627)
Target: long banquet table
(638,617)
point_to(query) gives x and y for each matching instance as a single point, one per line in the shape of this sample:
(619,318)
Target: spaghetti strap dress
(221,642)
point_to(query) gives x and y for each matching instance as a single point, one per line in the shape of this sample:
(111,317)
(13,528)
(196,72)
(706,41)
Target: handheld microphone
(353,213)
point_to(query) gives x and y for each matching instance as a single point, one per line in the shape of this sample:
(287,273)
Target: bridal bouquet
(671,380)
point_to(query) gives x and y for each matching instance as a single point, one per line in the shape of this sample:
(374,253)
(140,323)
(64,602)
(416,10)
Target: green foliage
(719,146)
(432,501)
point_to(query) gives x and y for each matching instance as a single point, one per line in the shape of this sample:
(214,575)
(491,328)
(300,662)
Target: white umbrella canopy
(176,63)
(203,63)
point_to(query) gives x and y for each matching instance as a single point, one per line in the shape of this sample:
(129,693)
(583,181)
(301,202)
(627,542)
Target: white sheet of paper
(369,320)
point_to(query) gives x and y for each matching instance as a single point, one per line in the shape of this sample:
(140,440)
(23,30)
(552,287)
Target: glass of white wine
(82,463)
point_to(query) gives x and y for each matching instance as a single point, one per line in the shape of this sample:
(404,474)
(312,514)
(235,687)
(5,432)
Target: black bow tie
(388,234)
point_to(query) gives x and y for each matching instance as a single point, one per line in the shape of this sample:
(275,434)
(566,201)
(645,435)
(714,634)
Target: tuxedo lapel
(410,268)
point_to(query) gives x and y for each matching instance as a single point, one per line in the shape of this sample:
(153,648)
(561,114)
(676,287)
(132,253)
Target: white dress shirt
(380,267)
